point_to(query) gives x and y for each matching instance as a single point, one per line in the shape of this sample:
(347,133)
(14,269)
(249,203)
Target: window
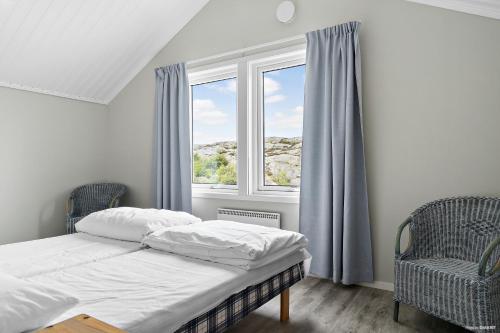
(214,128)
(247,126)
(282,108)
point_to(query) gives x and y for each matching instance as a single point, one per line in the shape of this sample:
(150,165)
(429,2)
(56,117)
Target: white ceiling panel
(84,49)
(487,8)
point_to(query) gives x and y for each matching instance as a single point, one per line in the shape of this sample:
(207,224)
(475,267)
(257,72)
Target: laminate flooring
(323,307)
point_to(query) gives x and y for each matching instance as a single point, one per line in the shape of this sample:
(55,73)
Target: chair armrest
(398,235)
(485,257)
(114,202)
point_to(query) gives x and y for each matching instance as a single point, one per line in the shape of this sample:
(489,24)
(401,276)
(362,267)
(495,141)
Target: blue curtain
(172,141)
(333,194)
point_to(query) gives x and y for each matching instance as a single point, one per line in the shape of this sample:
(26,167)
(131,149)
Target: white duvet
(152,291)
(26,305)
(40,256)
(232,243)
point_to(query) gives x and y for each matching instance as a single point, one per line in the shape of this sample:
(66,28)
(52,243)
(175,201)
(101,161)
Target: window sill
(262,197)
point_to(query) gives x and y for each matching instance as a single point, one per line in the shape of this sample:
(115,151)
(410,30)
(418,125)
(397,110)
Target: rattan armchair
(451,268)
(90,198)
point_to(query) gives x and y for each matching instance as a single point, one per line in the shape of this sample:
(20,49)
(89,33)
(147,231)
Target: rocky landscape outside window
(283,105)
(214,125)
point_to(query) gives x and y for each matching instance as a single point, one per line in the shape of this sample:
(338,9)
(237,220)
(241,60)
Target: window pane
(214,132)
(283,93)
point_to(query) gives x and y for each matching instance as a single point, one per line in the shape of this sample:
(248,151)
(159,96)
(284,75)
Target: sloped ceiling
(487,8)
(84,49)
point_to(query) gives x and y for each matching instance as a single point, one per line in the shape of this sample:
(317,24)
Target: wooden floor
(320,306)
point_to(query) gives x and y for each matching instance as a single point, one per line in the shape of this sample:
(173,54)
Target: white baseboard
(378,285)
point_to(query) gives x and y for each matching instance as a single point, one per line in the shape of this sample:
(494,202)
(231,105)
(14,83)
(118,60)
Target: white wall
(48,145)
(431,98)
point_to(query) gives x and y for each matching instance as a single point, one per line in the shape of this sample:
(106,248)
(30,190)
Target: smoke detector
(285,12)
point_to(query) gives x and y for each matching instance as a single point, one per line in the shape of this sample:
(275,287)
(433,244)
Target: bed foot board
(285,305)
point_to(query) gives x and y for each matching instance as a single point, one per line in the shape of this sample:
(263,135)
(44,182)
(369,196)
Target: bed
(194,277)
(40,256)
(101,235)
(150,291)
(236,307)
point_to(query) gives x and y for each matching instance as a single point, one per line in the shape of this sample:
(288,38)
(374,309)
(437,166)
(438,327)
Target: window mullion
(242,133)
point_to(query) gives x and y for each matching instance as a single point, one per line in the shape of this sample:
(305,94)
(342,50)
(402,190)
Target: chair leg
(396,311)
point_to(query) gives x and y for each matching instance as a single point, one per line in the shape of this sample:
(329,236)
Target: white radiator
(248,216)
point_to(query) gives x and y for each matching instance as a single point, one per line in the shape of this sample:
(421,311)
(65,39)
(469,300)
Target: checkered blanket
(239,305)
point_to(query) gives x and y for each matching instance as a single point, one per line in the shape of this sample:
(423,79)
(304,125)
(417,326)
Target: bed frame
(233,309)
(226,314)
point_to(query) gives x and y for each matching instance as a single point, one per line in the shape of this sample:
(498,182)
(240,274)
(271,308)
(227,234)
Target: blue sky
(284,102)
(214,106)
(214,111)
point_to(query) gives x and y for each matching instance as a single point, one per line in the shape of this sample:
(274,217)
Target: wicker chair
(451,268)
(91,198)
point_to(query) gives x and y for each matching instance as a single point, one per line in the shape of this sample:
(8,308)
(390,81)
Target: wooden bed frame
(285,305)
(81,324)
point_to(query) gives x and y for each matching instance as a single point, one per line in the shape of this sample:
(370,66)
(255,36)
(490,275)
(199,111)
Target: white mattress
(151,291)
(40,256)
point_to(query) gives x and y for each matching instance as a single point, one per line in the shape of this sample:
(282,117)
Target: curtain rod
(290,41)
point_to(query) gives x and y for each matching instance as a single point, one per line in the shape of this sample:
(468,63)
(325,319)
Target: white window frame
(249,114)
(208,75)
(258,68)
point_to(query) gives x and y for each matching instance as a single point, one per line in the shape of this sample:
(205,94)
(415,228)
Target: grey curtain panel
(333,194)
(172,141)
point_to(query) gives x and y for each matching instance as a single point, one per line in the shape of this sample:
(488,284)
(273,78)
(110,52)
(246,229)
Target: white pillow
(227,242)
(26,305)
(131,224)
